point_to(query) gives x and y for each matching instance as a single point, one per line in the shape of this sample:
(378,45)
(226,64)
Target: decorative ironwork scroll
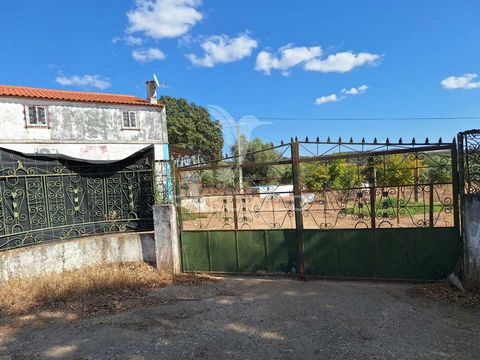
(407,188)
(469,144)
(227,197)
(344,186)
(50,199)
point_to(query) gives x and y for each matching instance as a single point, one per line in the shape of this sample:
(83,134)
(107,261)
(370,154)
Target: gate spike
(454,141)
(296,139)
(226,155)
(388,141)
(281,142)
(413,141)
(440,140)
(375,140)
(291,139)
(363,140)
(427,141)
(318,139)
(351,140)
(400,141)
(306,138)
(271,144)
(339,140)
(328,139)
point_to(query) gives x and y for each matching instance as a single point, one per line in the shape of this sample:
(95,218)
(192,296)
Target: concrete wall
(472,241)
(81,130)
(75,254)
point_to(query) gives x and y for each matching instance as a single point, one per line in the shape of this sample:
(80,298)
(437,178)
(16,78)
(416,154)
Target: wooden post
(297,193)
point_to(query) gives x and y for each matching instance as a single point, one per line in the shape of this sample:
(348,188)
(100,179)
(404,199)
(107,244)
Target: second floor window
(129,120)
(37,116)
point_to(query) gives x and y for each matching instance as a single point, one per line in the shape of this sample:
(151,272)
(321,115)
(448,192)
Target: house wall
(81,130)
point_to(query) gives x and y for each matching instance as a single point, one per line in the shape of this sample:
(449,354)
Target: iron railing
(324,185)
(50,199)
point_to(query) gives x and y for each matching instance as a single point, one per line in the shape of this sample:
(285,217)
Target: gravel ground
(252,318)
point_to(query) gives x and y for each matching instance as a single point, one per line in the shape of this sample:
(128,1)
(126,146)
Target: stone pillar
(471,239)
(167,247)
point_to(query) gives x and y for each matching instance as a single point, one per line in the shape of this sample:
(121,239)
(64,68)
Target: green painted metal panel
(438,252)
(321,253)
(405,253)
(395,253)
(356,253)
(251,251)
(195,251)
(223,251)
(282,250)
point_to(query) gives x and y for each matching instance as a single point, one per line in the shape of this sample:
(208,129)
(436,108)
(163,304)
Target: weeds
(91,291)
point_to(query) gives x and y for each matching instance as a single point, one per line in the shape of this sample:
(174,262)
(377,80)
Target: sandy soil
(255,318)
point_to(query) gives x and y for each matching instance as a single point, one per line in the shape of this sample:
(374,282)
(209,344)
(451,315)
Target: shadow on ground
(255,319)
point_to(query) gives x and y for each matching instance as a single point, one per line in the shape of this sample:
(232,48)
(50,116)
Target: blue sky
(264,58)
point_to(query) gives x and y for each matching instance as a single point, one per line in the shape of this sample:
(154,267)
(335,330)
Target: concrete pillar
(471,238)
(167,247)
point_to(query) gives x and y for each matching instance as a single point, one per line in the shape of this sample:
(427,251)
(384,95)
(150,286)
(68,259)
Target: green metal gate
(370,210)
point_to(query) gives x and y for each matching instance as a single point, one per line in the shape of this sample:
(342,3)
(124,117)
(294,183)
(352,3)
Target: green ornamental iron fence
(56,198)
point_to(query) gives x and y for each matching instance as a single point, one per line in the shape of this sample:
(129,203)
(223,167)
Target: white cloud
(95,81)
(147,55)
(287,57)
(164,18)
(326,99)
(355,91)
(461,82)
(341,62)
(346,92)
(222,49)
(311,58)
(129,40)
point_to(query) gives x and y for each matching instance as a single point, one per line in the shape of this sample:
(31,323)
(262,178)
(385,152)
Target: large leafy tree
(256,151)
(191,127)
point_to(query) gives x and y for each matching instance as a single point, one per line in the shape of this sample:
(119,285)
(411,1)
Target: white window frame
(130,127)
(27,116)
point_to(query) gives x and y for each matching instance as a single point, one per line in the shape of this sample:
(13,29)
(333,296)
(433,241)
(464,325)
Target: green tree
(257,152)
(333,174)
(437,168)
(191,127)
(396,169)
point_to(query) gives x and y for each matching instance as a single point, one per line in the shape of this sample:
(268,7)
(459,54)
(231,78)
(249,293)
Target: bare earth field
(254,318)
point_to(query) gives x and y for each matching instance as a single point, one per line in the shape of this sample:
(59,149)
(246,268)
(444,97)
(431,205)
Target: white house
(83,125)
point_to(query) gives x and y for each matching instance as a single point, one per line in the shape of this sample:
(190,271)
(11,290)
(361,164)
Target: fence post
(460,198)
(456,187)
(431,221)
(297,195)
(372,189)
(235,210)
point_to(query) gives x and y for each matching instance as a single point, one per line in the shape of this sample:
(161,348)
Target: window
(37,115)
(129,120)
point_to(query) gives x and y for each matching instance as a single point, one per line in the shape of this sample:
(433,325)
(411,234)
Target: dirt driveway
(257,319)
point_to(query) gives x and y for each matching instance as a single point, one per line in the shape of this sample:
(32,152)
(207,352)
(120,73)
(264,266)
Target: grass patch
(188,215)
(391,209)
(96,290)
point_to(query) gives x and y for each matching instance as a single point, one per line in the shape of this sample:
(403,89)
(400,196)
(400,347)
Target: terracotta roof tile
(50,94)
